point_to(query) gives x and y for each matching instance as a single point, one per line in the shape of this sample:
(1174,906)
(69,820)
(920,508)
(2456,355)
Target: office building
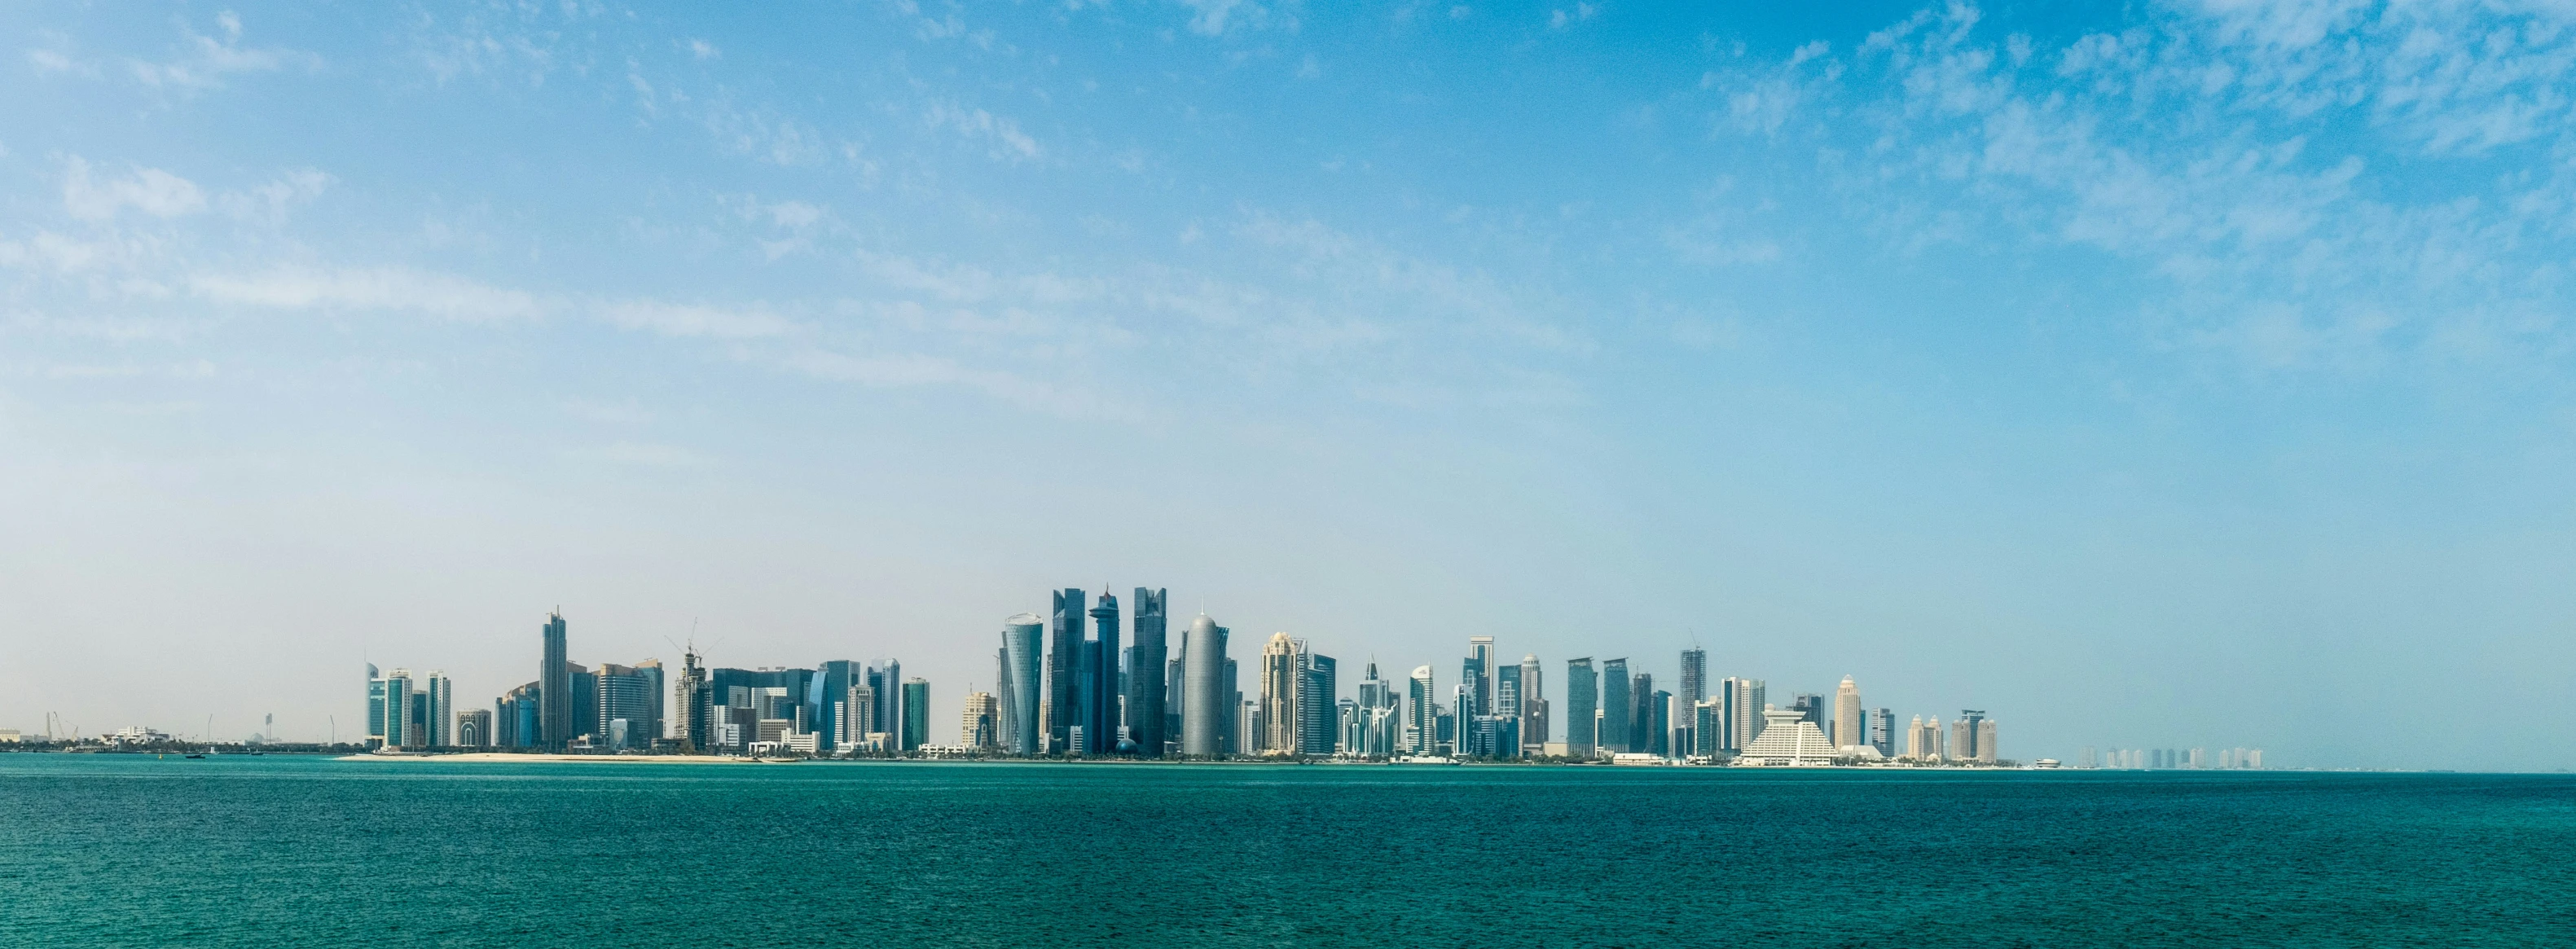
(1986,739)
(393,710)
(629,706)
(982,729)
(695,706)
(1422,730)
(1316,685)
(514,718)
(1642,732)
(1020,691)
(859,717)
(1206,710)
(438,710)
(1745,702)
(554,688)
(1708,727)
(1479,674)
(1581,724)
(1101,692)
(1881,731)
(1814,709)
(1964,732)
(474,728)
(916,714)
(1534,720)
(375,737)
(1064,659)
(1618,708)
(1694,684)
(1923,740)
(1277,719)
(1848,729)
(1655,718)
(1147,723)
(1506,712)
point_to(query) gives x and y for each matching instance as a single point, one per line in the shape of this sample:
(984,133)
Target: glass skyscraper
(1617,708)
(1146,690)
(554,689)
(1064,661)
(1580,736)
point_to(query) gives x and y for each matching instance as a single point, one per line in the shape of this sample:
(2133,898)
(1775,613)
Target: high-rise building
(1422,732)
(1278,714)
(1506,712)
(1100,721)
(1317,685)
(1205,708)
(916,713)
(1618,708)
(1923,740)
(1848,729)
(1147,722)
(1642,732)
(1580,724)
(1694,684)
(1708,727)
(1064,658)
(375,707)
(1019,686)
(396,710)
(859,716)
(1672,730)
(982,730)
(629,705)
(1964,732)
(1745,700)
(1480,672)
(474,728)
(696,705)
(1816,711)
(1881,731)
(514,718)
(1533,707)
(1986,753)
(554,688)
(439,697)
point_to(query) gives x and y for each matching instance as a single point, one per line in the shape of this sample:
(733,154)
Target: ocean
(127,850)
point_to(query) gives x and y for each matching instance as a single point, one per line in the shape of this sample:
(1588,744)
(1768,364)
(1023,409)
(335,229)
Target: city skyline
(2170,374)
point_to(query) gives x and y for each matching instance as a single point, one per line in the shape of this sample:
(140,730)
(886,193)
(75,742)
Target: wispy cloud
(147,190)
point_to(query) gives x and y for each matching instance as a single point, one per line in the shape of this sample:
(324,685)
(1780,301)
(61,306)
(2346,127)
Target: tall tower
(1533,707)
(691,696)
(1145,686)
(1580,736)
(1480,662)
(1204,704)
(554,689)
(1616,706)
(1020,690)
(1694,675)
(1848,729)
(1100,721)
(442,701)
(1425,730)
(1279,695)
(1064,659)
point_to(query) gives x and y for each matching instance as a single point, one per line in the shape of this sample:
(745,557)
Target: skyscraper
(916,713)
(554,689)
(441,709)
(1745,700)
(1317,688)
(1146,690)
(1848,729)
(1642,732)
(397,709)
(474,728)
(1480,674)
(1534,728)
(1020,690)
(1986,753)
(1423,732)
(1100,720)
(1881,730)
(1579,732)
(1964,732)
(981,730)
(1205,709)
(1618,708)
(695,704)
(1811,708)
(1507,712)
(1279,695)
(1694,685)
(1064,657)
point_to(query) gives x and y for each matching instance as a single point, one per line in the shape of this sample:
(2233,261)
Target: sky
(2146,375)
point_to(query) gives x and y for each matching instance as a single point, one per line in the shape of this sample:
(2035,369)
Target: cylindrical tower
(1204,710)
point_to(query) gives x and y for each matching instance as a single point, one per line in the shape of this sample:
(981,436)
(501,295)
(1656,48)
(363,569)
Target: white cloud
(1008,142)
(207,60)
(148,190)
(395,289)
(690,320)
(268,203)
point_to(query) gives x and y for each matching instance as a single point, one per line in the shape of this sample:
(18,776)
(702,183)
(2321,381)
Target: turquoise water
(99,850)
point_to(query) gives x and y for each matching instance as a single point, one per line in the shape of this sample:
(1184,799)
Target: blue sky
(2155,375)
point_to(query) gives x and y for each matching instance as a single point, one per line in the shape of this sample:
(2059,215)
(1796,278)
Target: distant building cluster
(1095,679)
(2165,759)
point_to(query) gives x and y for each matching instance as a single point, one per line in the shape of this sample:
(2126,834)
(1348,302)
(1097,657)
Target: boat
(196,756)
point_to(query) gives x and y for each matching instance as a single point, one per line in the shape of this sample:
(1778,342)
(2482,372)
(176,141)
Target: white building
(1787,738)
